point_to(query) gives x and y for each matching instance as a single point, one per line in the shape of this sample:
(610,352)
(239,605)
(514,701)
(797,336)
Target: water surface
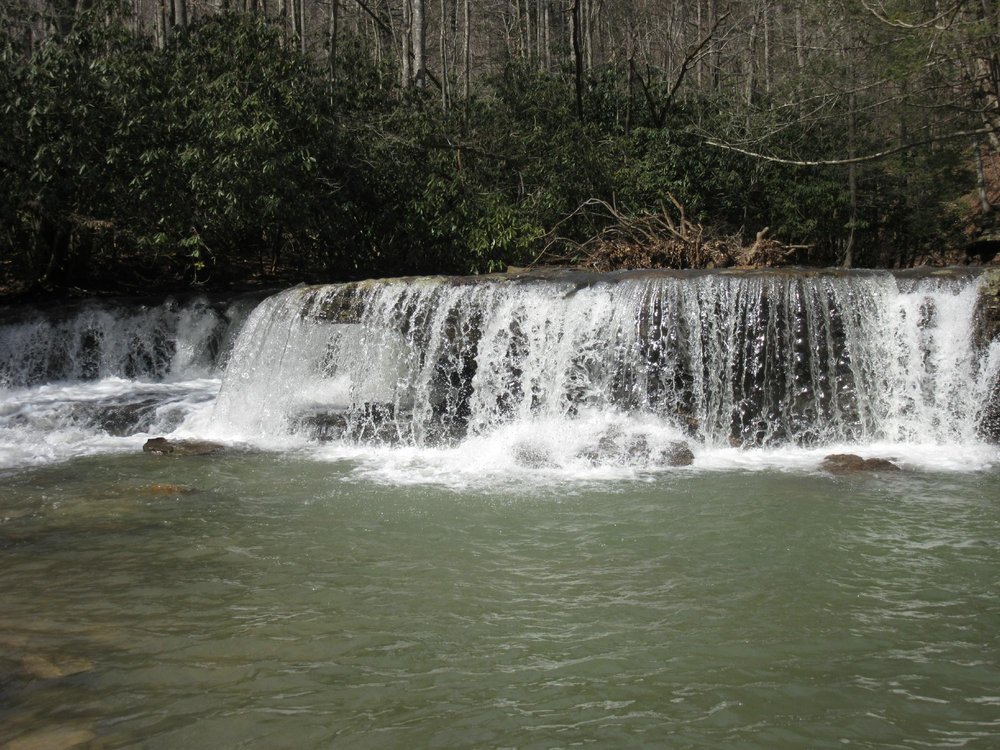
(277,601)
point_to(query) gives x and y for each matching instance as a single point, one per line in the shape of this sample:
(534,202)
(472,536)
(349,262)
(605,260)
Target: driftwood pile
(667,239)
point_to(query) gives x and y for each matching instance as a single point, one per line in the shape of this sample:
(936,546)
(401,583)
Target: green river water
(291,603)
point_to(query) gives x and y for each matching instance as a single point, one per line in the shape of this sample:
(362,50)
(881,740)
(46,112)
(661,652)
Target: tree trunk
(715,55)
(163,24)
(699,71)
(528,37)
(466,50)
(302,26)
(578,56)
(444,57)
(751,63)
(984,197)
(766,66)
(539,41)
(547,47)
(180,13)
(988,85)
(800,52)
(852,181)
(333,33)
(405,69)
(630,84)
(419,44)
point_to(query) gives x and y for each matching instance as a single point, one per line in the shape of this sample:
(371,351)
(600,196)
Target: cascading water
(562,372)
(88,378)
(578,371)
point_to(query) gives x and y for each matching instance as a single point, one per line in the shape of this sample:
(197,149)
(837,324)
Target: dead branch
(665,239)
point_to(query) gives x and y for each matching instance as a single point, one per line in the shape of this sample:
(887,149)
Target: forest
(165,144)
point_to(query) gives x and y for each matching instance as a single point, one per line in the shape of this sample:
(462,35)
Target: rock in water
(676,454)
(637,450)
(43,669)
(160,446)
(55,738)
(848,463)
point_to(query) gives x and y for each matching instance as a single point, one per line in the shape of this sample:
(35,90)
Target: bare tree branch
(854,160)
(932,23)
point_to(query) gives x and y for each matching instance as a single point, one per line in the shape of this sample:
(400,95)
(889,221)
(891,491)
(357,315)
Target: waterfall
(567,371)
(96,340)
(87,377)
(721,359)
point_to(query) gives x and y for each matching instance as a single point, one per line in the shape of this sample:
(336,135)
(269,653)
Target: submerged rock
(848,463)
(41,668)
(53,738)
(160,446)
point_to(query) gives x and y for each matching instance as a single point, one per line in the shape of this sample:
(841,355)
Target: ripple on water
(290,601)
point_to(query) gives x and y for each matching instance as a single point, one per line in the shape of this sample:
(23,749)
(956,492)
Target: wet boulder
(637,450)
(371,422)
(849,463)
(160,446)
(125,419)
(677,453)
(323,426)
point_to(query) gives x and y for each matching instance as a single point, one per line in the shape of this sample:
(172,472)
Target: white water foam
(527,455)
(59,421)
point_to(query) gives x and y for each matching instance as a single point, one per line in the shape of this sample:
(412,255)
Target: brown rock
(848,463)
(43,669)
(160,446)
(54,738)
(676,454)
